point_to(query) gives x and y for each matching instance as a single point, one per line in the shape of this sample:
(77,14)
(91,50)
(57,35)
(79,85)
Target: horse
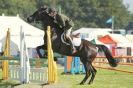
(87,51)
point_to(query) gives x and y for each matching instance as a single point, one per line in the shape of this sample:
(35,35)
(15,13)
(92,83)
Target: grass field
(103,79)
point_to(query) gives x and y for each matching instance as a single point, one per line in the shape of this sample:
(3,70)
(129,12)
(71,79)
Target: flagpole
(112,24)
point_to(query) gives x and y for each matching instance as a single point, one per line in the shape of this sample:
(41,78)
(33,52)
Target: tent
(14,24)
(129,37)
(121,40)
(108,40)
(33,35)
(14,49)
(92,32)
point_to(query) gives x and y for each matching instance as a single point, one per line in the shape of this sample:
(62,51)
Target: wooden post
(5,65)
(52,68)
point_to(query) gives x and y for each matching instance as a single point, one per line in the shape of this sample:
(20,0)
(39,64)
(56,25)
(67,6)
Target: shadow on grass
(6,84)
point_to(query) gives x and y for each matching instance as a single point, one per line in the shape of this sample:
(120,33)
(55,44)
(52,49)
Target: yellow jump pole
(5,65)
(52,67)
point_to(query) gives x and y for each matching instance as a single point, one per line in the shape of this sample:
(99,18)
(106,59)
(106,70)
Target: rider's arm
(61,20)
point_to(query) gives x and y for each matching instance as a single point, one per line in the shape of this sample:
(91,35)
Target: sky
(130,3)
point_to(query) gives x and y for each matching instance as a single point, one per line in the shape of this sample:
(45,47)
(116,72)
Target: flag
(110,20)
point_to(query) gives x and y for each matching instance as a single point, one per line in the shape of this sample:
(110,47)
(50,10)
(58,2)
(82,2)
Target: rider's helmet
(51,11)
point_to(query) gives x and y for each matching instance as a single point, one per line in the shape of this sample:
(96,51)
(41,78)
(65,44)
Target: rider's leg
(68,33)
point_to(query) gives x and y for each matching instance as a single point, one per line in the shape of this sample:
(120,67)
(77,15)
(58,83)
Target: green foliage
(84,13)
(22,7)
(95,13)
(130,24)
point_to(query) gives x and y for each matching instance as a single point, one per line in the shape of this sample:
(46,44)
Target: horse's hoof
(89,83)
(81,83)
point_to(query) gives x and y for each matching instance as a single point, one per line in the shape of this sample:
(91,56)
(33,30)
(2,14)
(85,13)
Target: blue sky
(130,3)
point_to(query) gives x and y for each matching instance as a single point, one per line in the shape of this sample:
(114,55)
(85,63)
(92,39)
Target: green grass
(103,79)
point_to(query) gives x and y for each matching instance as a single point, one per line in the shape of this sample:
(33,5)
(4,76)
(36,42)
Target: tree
(130,24)
(95,13)
(84,13)
(22,7)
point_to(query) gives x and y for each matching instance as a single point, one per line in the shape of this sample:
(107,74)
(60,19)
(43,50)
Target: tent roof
(92,33)
(34,36)
(119,38)
(107,40)
(15,24)
(98,33)
(88,30)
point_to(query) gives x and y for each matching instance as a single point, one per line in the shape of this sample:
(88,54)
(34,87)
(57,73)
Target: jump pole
(24,59)
(52,67)
(5,65)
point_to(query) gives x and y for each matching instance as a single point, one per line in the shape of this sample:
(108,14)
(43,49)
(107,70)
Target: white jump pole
(24,59)
(27,63)
(21,56)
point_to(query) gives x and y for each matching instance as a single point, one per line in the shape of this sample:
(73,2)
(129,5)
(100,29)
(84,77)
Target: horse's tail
(108,55)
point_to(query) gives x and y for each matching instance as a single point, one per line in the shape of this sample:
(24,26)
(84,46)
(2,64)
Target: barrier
(73,65)
(20,69)
(38,75)
(76,67)
(52,68)
(98,62)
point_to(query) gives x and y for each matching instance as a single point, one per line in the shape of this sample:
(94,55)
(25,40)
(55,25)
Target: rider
(65,23)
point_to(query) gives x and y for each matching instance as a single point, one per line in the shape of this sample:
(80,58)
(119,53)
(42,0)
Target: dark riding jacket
(63,21)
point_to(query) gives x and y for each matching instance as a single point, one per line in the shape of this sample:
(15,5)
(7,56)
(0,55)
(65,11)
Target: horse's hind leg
(93,72)
(87,70)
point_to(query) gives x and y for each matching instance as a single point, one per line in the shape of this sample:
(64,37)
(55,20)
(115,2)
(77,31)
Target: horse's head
(38,15)
(42,15)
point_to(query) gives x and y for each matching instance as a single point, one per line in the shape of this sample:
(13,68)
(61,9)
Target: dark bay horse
(86,51)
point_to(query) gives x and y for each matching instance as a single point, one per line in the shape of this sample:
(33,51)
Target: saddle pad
(76,41)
